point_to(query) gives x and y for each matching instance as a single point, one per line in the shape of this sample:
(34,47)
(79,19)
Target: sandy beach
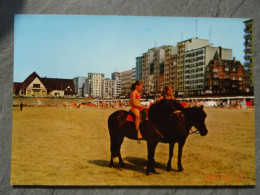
(70,146)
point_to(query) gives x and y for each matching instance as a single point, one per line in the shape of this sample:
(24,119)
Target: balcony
(247,36)
(248,50)
(247,29)
(248,56)
(248,43)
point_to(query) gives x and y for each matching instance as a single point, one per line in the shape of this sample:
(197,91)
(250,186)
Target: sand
(70,146)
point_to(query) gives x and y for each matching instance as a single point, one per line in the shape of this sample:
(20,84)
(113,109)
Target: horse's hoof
(180,169)
(111,165)
(147,173)
(169,169)
(155,172)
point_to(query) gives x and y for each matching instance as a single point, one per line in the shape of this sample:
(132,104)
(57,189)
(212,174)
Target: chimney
(234,60)
(220,52)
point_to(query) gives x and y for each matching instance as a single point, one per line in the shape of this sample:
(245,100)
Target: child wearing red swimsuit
(136,107)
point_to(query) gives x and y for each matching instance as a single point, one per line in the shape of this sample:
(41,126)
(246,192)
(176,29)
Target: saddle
(131,116)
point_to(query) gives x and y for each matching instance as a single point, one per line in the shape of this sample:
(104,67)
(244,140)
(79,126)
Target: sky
(67,46)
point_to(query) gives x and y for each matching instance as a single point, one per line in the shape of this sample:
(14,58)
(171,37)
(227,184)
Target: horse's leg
(181,144)
(111,161)
(115,150)
(122,164)
(169,167)
(150,163)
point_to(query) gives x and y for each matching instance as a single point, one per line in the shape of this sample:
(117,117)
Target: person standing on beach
(21,106)
(136,107)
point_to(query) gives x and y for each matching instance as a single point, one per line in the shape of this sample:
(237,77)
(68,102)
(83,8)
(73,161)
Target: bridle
(194,132)
(190,131)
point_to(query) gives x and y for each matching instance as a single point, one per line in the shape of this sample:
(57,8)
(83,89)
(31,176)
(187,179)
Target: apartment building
(95,84)
(79,83)
(195,62)
(108,88)
(170,66)
(126,82)
(139,68)
(148,72)
(116,76)
(249,60)
(183,47)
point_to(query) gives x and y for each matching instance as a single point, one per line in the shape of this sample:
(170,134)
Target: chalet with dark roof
(34,85)
(225,76)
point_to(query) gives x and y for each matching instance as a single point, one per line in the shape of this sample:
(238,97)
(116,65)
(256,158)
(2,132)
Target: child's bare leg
(136,112)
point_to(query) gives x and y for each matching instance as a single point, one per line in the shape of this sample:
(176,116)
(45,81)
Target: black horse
(168,122)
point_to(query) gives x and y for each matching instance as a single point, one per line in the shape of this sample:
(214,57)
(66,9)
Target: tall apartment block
(183,47)
(95,84)
(116,76)
(170,66)
(86,88)
(195,62)
(108,90)
(126,82)
(138,68)
(79,83)
(133,75)
(158,69)
(148,72)
(249,60)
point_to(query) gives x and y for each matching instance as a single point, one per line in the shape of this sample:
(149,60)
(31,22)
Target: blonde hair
(165,89)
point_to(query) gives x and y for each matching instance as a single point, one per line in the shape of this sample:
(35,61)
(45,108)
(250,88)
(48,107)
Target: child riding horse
(136,107)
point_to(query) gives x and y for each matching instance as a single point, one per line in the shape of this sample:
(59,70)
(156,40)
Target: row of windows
(194,54)
(194,81)
(195,59)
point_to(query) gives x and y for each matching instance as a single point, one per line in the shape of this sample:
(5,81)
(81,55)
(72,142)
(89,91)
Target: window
(36,85)
(215,75)
(215,82)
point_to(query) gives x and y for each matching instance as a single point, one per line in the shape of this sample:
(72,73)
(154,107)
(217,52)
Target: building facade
(116,76)
(138,68)
(183,47)
(95,84)
(249,60)
(79,83)
(36,86)
(170,66)
(108,88)
(225,76)
(86,88)
(195,62)
(126,82)
(148,72)
(158,69)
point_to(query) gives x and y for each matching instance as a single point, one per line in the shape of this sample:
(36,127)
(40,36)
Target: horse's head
(197,119)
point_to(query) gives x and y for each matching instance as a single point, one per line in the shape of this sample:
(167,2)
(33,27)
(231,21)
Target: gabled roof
(59,84)
(231,63)
(67,85)
(217,58)
(29,80)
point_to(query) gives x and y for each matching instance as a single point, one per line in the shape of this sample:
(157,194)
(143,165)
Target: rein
(193,132)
